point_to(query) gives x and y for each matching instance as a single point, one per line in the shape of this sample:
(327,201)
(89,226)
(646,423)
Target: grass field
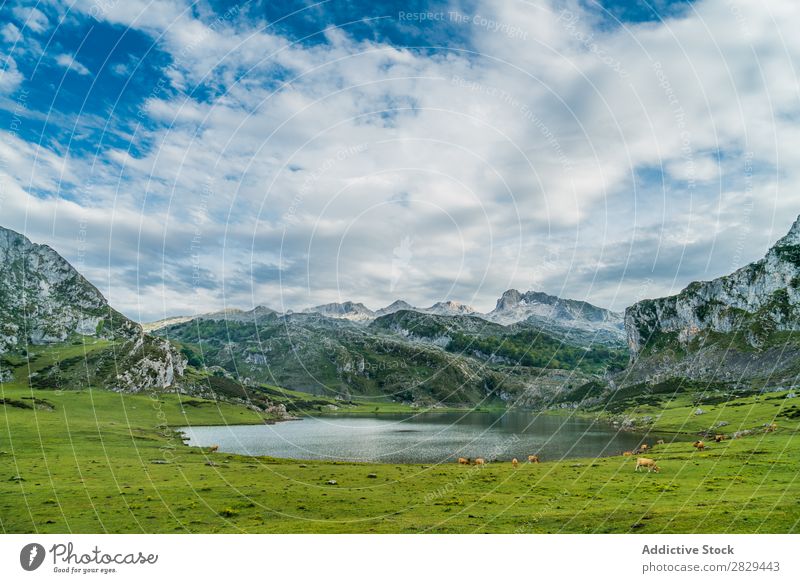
(682,413)
(96,461)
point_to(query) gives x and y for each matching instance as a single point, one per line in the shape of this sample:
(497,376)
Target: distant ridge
(346,311)
(512,307)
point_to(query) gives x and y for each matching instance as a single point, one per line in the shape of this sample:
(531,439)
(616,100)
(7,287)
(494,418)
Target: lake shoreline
(645,433)
(426,437)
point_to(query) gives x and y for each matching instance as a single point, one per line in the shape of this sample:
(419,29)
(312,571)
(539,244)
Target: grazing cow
(627,453)
(479,461)
(699,445)
(644,447)
(719,437)
(213,448)
(660,442)
(463,461)
(771,427)
(533,459)
(515,463)
(646,462)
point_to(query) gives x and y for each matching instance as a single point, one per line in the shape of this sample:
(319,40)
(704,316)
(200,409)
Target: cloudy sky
(188,156)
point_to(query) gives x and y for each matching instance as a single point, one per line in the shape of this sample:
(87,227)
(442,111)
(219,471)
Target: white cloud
(10,77)
(694,168)
(10,33)
(31,18)
(69,63)
(536,162)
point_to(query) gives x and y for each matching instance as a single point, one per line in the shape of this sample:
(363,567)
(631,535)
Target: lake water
(420,438)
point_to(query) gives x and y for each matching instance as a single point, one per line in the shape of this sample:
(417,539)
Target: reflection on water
(421,438)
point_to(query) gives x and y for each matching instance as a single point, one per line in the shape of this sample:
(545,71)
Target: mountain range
(406,355)
(532,349)
(547,311)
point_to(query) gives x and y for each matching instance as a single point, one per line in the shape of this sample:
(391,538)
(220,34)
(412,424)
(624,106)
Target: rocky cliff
(729,326)
(45,301)
(558,315)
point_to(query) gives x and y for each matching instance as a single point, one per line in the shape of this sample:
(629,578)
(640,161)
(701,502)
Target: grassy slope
(677,413)
(86,463)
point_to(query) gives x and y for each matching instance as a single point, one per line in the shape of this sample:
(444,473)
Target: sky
(192,156)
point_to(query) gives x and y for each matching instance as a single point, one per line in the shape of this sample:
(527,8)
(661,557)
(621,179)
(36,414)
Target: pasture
(95,461)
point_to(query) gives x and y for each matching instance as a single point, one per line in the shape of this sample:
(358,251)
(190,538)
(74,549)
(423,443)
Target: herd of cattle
(641,462)
(479,461)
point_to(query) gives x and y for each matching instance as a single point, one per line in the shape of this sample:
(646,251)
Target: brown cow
(463,461)
(479,461)
(533,459)
(627,453)
(719,437)
(515,463)
(699,445)
(644,447)
(646,462)
(213,448)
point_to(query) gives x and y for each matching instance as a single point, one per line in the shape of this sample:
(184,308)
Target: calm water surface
(420,438)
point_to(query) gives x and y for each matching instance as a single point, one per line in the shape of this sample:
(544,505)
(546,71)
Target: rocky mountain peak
(450,307)
(348,310)
(792,237)
(510,299)
(753,303)
(395,306)
(515,306)
(9,238)
(44,300)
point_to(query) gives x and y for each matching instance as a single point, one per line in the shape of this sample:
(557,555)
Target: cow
(479,461)
(627,453)
(646,462)
(699,445)
(533,459)
(644,447)
(515,463)
(463,461)
(719,437)
(771,427)
(660,442)
(213,448)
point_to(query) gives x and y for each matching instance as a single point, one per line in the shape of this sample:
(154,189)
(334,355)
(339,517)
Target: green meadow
(91,461)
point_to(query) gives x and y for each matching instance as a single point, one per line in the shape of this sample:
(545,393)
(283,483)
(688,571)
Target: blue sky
(192,156)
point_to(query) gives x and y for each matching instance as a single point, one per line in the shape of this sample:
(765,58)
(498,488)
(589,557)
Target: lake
(429,437)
